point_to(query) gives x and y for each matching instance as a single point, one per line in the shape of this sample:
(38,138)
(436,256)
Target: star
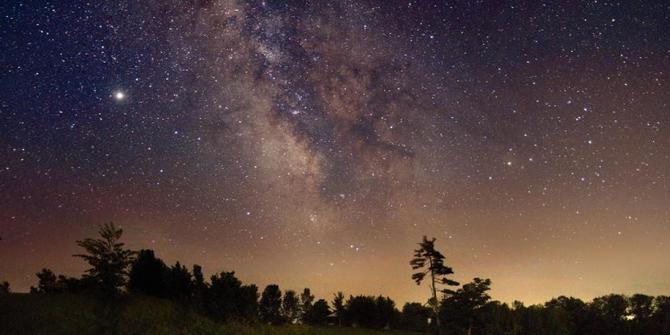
(119,95)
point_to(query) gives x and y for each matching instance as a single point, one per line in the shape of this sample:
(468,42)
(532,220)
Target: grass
(56,314)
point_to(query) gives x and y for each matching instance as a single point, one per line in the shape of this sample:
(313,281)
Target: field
(74,314)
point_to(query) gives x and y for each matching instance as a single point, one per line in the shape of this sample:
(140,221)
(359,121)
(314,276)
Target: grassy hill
(77,314)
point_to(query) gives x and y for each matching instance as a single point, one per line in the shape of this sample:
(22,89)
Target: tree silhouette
(306,301)
(47,282)
(4,288)
(415,317)
(108,259)
(430,261)
(361,311)
(575,311)
(385,312)
(466,302)
(270,305)
(318,314)
(148,275)
(228,300)
(338,306)
(179,283)
(661,317)
(199,287)
(290,306)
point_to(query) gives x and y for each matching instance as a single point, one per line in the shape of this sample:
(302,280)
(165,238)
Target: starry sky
(313,143)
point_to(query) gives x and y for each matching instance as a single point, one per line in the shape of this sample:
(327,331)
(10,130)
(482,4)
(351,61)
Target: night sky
(313,143)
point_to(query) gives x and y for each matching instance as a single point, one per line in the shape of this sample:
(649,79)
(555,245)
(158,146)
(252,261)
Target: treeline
(226,299)
(115,271)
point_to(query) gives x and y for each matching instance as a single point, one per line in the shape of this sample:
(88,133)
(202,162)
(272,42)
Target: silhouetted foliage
(306,301)
(179,283)
(318,314)
(200,288)
(660,320)
(371,312)
(461,309)
(338,307)
(429,261)
(77,285)
(467,310)
(385,312)
(4,288)
(227,299)
(414,316)
(148,275)
(46,282)
(574,311)
(290,307)
(360,311)
(108,259)
(270,305)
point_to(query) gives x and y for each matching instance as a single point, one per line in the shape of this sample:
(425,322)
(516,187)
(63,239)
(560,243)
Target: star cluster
(313,143)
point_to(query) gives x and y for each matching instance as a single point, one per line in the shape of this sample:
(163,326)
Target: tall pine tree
(429,261)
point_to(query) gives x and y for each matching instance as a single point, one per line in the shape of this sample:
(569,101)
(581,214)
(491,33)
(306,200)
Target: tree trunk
(436,313)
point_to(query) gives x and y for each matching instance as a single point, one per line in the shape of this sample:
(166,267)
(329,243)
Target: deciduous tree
(108,258)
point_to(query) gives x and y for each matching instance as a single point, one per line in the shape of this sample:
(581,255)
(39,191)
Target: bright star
(119,95)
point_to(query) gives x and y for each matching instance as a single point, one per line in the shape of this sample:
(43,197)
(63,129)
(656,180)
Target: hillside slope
(56,314)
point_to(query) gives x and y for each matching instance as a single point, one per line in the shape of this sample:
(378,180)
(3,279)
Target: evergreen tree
(338,306)
(430,262)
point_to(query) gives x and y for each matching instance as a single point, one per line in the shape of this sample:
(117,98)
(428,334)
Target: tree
(228,300)
(338,305)
(318,314)
(4,288)
(290,307)
(464,304)
(306,301)
(47,282)
(108,259)
(199,287)
(361,311)
(661,316)
(270,304)
(641,310)
(179,283)
(430,261)
(249,302)
(415,317)
(385,312)
(575,310)
(148,275)
(75,285)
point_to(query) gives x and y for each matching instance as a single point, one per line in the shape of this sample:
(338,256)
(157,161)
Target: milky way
(314,143)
